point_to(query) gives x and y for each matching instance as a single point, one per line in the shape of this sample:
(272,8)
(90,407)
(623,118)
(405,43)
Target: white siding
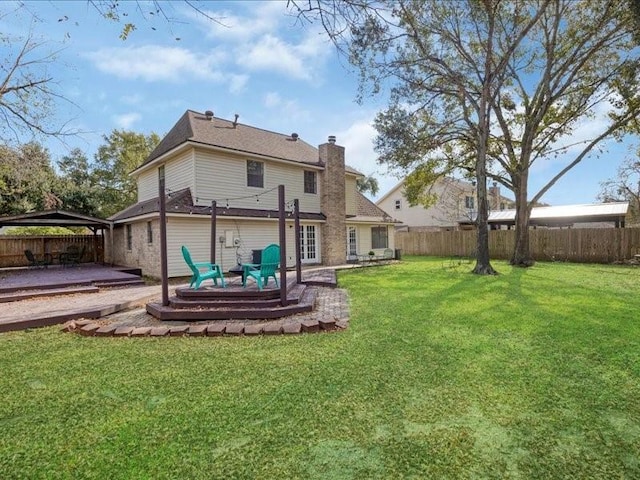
(179,174)
(195,233)
(224,176)
(363,238)
(148,185)
(350,194)
(446,212)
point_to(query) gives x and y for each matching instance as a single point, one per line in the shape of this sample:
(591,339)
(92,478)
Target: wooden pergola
(61,218)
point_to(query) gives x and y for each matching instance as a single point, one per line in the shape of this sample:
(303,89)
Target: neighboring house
(455,200)
(204,158)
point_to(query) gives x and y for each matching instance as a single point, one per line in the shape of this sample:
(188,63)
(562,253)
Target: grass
(442,374)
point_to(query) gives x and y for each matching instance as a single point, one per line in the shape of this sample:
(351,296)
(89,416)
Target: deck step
(293,297)
(120,283)
(50,292)
(241,311)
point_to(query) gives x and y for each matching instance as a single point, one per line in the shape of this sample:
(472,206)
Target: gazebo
(61,218)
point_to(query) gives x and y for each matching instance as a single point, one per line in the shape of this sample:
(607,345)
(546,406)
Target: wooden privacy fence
(12,247)
(588,245)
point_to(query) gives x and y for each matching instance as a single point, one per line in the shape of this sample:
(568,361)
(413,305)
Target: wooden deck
(237,302)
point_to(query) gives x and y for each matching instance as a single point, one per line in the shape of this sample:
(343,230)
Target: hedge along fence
(12,247)
(588,245)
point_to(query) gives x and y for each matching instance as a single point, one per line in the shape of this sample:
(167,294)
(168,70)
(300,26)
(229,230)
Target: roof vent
(208,114)
(332,139)
(294,137)
(235,121)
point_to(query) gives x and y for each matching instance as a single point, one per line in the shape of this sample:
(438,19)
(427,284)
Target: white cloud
(359,154)
(261,18)
(237,83)
(272,53)
(263,37)
(156,63)
(289,109)
(126,120)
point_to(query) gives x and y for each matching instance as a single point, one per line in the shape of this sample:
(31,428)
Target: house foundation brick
(292,328)
(122,331)
(197,330)
(178,331)
(105,331)
(310,326)
(89,329)
(216,329)
(327,324)
(253,329)
(272,329)
(235,329)
(141,331)
(159,331)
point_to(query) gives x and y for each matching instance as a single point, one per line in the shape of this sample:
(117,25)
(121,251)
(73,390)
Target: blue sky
(259,63)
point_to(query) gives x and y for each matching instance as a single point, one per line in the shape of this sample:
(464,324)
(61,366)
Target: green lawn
(442,374)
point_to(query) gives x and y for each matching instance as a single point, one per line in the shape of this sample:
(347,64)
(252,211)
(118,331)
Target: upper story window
(310,182)
(398,204)
(255,174)
(469,203)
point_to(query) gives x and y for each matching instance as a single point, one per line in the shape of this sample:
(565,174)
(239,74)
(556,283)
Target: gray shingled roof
(366,208)
(181,202)
(196,128)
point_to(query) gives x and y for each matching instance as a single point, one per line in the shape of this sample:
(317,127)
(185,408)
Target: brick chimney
(494,197)
(333,203)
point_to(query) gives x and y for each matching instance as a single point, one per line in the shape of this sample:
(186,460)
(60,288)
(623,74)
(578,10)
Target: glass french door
(352,243)
(308,244)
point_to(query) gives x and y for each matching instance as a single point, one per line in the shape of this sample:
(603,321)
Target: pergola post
(163,242)
(296,236)
(283,246)
(214,218)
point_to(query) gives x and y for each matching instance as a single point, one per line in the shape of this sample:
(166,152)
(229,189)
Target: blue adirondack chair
(202,271)
(267,268)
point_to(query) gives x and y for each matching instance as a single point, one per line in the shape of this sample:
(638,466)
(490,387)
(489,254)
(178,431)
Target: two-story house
(455,201)
(204,159)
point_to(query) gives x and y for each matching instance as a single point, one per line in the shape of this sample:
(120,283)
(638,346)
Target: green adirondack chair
(267,268)
(202,271)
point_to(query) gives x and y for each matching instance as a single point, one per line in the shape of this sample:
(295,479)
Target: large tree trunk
(521,254)
(483,263)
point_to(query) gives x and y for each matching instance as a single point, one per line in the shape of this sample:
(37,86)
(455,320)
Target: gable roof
(366,208)
(196,128)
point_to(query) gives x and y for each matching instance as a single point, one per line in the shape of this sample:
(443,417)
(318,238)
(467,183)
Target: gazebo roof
(562,214)
(54,218)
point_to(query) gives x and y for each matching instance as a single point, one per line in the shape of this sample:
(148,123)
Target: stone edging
(90,328)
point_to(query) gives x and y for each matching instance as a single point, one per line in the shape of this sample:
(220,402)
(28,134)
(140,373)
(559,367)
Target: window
(149,233)
(398,204)
(502,206)
(129,236)
(352,246)
(309,182)
(379,237)
(255,174)
(469,203)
